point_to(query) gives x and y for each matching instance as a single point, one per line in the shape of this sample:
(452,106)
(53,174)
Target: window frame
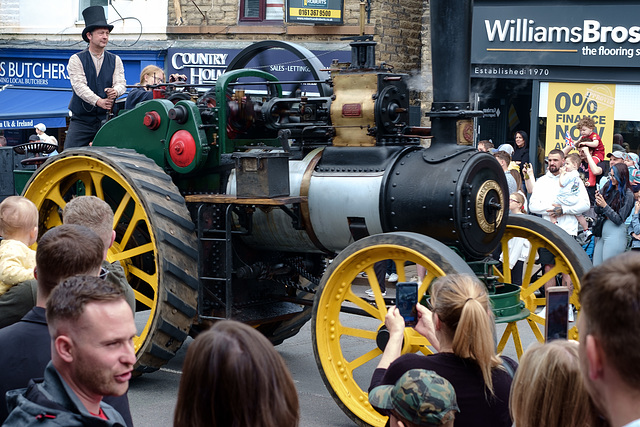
(262,12)
(263,9)
(83,4)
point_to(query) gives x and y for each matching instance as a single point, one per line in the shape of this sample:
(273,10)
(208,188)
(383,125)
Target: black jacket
(620,216)
(53,403)
(26,350)
(521,154)
(137,95)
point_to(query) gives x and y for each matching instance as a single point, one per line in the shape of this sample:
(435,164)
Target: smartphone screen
(557,322)
(406,300)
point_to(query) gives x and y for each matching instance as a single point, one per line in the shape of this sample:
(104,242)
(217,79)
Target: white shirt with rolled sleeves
(545,193)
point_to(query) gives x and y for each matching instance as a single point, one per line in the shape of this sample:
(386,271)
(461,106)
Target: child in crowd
(419,398)
(588,138)
(634,226)
(19,230)
(570,182)
(548,389)
(505,159)
(519,247)
(485,145)
(634,171)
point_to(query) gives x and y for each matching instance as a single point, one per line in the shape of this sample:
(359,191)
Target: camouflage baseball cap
(419,396)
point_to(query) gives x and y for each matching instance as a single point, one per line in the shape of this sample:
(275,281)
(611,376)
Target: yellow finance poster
(568,102)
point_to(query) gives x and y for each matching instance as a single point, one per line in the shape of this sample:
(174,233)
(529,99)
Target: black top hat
(93,19)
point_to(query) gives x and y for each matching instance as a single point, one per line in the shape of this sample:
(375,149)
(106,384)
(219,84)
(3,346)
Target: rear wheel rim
(330,326)
(120,177)
(570,259)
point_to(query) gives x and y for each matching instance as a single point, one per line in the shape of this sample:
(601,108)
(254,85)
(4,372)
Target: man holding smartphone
(610,338)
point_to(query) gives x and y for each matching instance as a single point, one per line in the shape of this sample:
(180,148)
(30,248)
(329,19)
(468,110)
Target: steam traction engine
(228,205)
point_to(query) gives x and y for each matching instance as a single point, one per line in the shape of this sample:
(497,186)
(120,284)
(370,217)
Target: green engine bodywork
(211,138)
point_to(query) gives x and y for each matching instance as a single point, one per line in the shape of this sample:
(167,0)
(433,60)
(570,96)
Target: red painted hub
(152,120)
(182,148)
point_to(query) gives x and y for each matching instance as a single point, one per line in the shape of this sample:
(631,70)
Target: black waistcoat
(97,83)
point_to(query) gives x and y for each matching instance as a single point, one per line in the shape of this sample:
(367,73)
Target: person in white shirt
(544,202)
(519,247)
(40,131)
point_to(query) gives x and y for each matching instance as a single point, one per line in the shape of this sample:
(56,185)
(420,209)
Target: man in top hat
(97,79)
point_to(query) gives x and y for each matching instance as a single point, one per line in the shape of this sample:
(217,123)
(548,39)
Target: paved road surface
(153,396)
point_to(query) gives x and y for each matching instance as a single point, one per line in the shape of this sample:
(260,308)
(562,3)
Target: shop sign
(569,102)
(50,122)
(29,72)
(315,11)
(204,66)
(556,34)
(48,68)
(200,66)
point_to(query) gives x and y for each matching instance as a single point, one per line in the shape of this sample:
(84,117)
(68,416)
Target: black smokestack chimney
(451,66)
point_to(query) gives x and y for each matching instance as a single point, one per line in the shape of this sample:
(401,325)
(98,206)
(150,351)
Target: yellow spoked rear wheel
(570,259)
(346,321)
(155,239)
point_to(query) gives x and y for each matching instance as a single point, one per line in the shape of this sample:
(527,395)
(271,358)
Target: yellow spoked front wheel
(570,260)
(155,240)
(347,324)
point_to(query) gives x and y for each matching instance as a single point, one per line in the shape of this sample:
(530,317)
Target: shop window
(261,10)
(83,4)
(626,115)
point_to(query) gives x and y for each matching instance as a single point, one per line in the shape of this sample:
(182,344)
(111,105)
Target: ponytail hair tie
(468,299)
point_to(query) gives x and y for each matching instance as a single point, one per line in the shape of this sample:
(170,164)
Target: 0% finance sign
(569,102)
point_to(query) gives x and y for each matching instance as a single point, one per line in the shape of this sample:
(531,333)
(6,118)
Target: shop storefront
(546,64)
(204,66)
(35,88)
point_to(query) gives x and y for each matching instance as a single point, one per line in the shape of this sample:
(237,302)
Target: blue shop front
(35,88)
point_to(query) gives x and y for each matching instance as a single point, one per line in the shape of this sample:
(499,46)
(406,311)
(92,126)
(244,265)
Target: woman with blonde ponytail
(461,328)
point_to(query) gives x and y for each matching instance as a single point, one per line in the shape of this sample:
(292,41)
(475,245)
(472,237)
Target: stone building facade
(145,30)
(399,26)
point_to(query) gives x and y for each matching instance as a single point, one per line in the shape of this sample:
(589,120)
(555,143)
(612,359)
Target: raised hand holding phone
(557,321)
(406,300)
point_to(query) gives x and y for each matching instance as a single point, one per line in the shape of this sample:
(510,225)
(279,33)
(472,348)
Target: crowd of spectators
(464,384)
(69,324)
(233,375)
